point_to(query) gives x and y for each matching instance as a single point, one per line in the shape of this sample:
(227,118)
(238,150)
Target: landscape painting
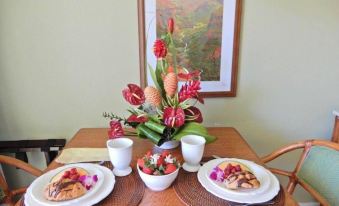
(198,33)
(206,38)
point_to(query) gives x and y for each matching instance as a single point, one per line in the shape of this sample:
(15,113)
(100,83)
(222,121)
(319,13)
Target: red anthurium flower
(195,112)
(190,90)
(174,117)
(160,49)
(116,130)
(189,76)
(170,25)
(134,94)
(135,118)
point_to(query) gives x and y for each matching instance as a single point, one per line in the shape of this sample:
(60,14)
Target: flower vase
(169,144)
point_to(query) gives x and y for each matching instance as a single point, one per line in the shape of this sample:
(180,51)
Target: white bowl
(158,182)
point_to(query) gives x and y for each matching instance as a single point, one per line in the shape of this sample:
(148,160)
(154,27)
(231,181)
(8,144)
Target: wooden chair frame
(335,135)
(19,164)
(293,179)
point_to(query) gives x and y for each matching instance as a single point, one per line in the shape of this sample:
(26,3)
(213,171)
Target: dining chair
(316,170)
(10,194)
(335,135)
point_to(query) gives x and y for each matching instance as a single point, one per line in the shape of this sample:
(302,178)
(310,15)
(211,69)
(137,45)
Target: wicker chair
(316,170)
(335,136)
(19,164)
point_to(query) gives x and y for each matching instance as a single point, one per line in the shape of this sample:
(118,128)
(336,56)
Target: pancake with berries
(66,185)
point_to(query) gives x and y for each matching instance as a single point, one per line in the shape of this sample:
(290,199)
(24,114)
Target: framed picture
(206,35)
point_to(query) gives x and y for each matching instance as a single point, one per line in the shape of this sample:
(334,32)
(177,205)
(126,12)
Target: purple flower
(88,181)
(217,174)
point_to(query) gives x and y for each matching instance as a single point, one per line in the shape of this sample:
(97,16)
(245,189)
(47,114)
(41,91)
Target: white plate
(102,191)
(38,186)
(259,171)
(265,196)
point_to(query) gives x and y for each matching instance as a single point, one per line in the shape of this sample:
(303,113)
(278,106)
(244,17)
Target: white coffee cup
(120,153)
(192,147)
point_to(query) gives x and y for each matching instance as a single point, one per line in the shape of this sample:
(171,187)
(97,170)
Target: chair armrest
(280,172)
(282,151)
(20,164)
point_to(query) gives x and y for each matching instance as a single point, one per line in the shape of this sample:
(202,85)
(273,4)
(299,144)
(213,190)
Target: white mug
(192,147)
(120,153)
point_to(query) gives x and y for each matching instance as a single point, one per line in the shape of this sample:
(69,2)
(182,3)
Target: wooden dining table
(229,144)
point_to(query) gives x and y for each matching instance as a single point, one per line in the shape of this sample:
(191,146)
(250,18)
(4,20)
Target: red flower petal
(135,118)
(190,90)
(160,49)
(189,76)
(170,25)
(134,94)
(174,117)
(193,111)
(116,130)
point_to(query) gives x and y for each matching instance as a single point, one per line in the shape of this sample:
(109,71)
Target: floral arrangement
(163,112)
(158,164)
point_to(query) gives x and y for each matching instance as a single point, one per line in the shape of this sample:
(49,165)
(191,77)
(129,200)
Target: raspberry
(74,171)
(74,177)
(238,168)
(66,174)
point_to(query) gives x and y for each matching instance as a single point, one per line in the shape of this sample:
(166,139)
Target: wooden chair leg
(335,136)
(291,185)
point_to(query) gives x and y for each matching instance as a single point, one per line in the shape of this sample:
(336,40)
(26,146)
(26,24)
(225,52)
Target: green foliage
(154,77)
(195,129)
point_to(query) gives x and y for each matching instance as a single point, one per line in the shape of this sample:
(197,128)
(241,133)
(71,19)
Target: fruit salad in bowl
(158,171)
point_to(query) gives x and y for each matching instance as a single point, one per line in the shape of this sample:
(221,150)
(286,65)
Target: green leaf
(154,77)
(158,72)
(195,129)
(150,134)
(155,127)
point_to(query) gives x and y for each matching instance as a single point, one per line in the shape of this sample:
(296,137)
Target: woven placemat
(191,192)
(128,190)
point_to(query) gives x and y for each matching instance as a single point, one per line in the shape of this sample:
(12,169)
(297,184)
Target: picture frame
(220,79)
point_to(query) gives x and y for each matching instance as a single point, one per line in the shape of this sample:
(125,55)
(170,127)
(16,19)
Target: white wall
(62,63)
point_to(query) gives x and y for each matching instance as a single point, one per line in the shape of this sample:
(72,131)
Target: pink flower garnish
(116,130)
(217,174)
(194,112)
(134,94)
(88,181)
(174,117)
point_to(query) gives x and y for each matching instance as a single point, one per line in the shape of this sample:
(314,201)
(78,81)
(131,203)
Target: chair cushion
(321,171)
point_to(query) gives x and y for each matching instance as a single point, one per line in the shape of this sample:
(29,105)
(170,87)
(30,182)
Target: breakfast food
(158,164)
(234,175)
(69,184)
(244,179)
